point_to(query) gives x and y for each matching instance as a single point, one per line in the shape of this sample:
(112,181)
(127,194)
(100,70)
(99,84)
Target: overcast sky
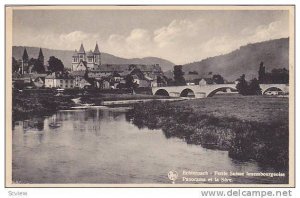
(178,36)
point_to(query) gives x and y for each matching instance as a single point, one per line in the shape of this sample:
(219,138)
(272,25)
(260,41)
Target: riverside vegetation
(26,105)
(43,103)
(263,137)
(248,127)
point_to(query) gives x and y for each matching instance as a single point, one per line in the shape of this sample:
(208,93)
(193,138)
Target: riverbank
(34,104)
(249,128)
(98,99)
(26,105)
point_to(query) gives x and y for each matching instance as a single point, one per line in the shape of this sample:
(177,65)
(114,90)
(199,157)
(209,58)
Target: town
(88,73)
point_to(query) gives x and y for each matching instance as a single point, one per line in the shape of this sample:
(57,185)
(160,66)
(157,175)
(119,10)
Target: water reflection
(34,124)
(101,146)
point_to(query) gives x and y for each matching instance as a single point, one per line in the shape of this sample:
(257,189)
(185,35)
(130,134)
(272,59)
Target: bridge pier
(174,94)
(200,95)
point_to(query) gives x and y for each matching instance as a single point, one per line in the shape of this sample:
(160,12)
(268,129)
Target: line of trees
(277,76)
(248,88)
(55,65)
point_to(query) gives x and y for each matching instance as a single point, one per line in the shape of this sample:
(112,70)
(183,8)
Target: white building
(59,81)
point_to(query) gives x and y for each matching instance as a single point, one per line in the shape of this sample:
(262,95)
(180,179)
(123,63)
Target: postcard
(150,96)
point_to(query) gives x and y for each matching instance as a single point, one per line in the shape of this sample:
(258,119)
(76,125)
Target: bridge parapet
(202,91)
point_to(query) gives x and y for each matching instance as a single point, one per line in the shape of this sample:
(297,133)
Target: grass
(249,128)
(248,108)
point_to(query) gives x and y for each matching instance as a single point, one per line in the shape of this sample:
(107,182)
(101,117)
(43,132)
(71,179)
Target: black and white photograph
(150,96)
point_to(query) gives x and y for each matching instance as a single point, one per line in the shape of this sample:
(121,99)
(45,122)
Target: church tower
(97,55)
(24,61)
(41,57)
(90,59)
(81,53)
(75,60)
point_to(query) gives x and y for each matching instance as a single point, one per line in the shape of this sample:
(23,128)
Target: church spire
(41,53)
(41,56)
(25,55)
(96,51)
(81,50)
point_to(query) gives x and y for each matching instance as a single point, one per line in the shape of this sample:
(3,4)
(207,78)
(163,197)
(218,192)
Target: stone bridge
(202,91)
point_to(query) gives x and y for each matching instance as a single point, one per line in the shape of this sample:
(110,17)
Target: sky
(180,36)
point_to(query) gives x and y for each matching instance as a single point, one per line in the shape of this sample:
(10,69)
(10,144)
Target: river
(101,146)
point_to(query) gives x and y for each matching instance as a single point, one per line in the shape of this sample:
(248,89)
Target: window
(66,86)
(61,81)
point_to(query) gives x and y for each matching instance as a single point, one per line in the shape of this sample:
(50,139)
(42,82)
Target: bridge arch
(223,89)
(274,88)
(162,92)
(187,92)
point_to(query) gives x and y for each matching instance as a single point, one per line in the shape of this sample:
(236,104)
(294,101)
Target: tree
(38,67)
(261,73)
(129,82)
(55,64)
(15,65)
(242,85)
(280,76)
(254,88)
(244,88)
(178,75)
(218,79)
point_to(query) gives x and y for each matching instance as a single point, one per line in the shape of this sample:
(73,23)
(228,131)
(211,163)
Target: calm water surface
(100,146)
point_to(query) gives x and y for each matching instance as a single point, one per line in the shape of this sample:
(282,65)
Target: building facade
(59,81)
(82,60)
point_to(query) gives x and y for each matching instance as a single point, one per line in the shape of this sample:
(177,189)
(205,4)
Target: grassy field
(249,108)
(248,127)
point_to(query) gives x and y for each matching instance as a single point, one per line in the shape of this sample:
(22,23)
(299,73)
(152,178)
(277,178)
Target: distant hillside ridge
(245,60)
(66,57)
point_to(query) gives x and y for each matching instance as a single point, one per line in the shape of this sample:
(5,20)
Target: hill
(245,60)
(66,57)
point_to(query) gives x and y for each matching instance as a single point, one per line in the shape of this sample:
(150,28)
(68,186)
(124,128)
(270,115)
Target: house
(206,81)
(80,79)
(38,82)
(60,80)
(103,84)
(97,75)
(191,78)
(116,77)
(141,81)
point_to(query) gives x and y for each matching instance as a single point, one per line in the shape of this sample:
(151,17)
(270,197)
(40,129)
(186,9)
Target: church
(82,60)
(27,66)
